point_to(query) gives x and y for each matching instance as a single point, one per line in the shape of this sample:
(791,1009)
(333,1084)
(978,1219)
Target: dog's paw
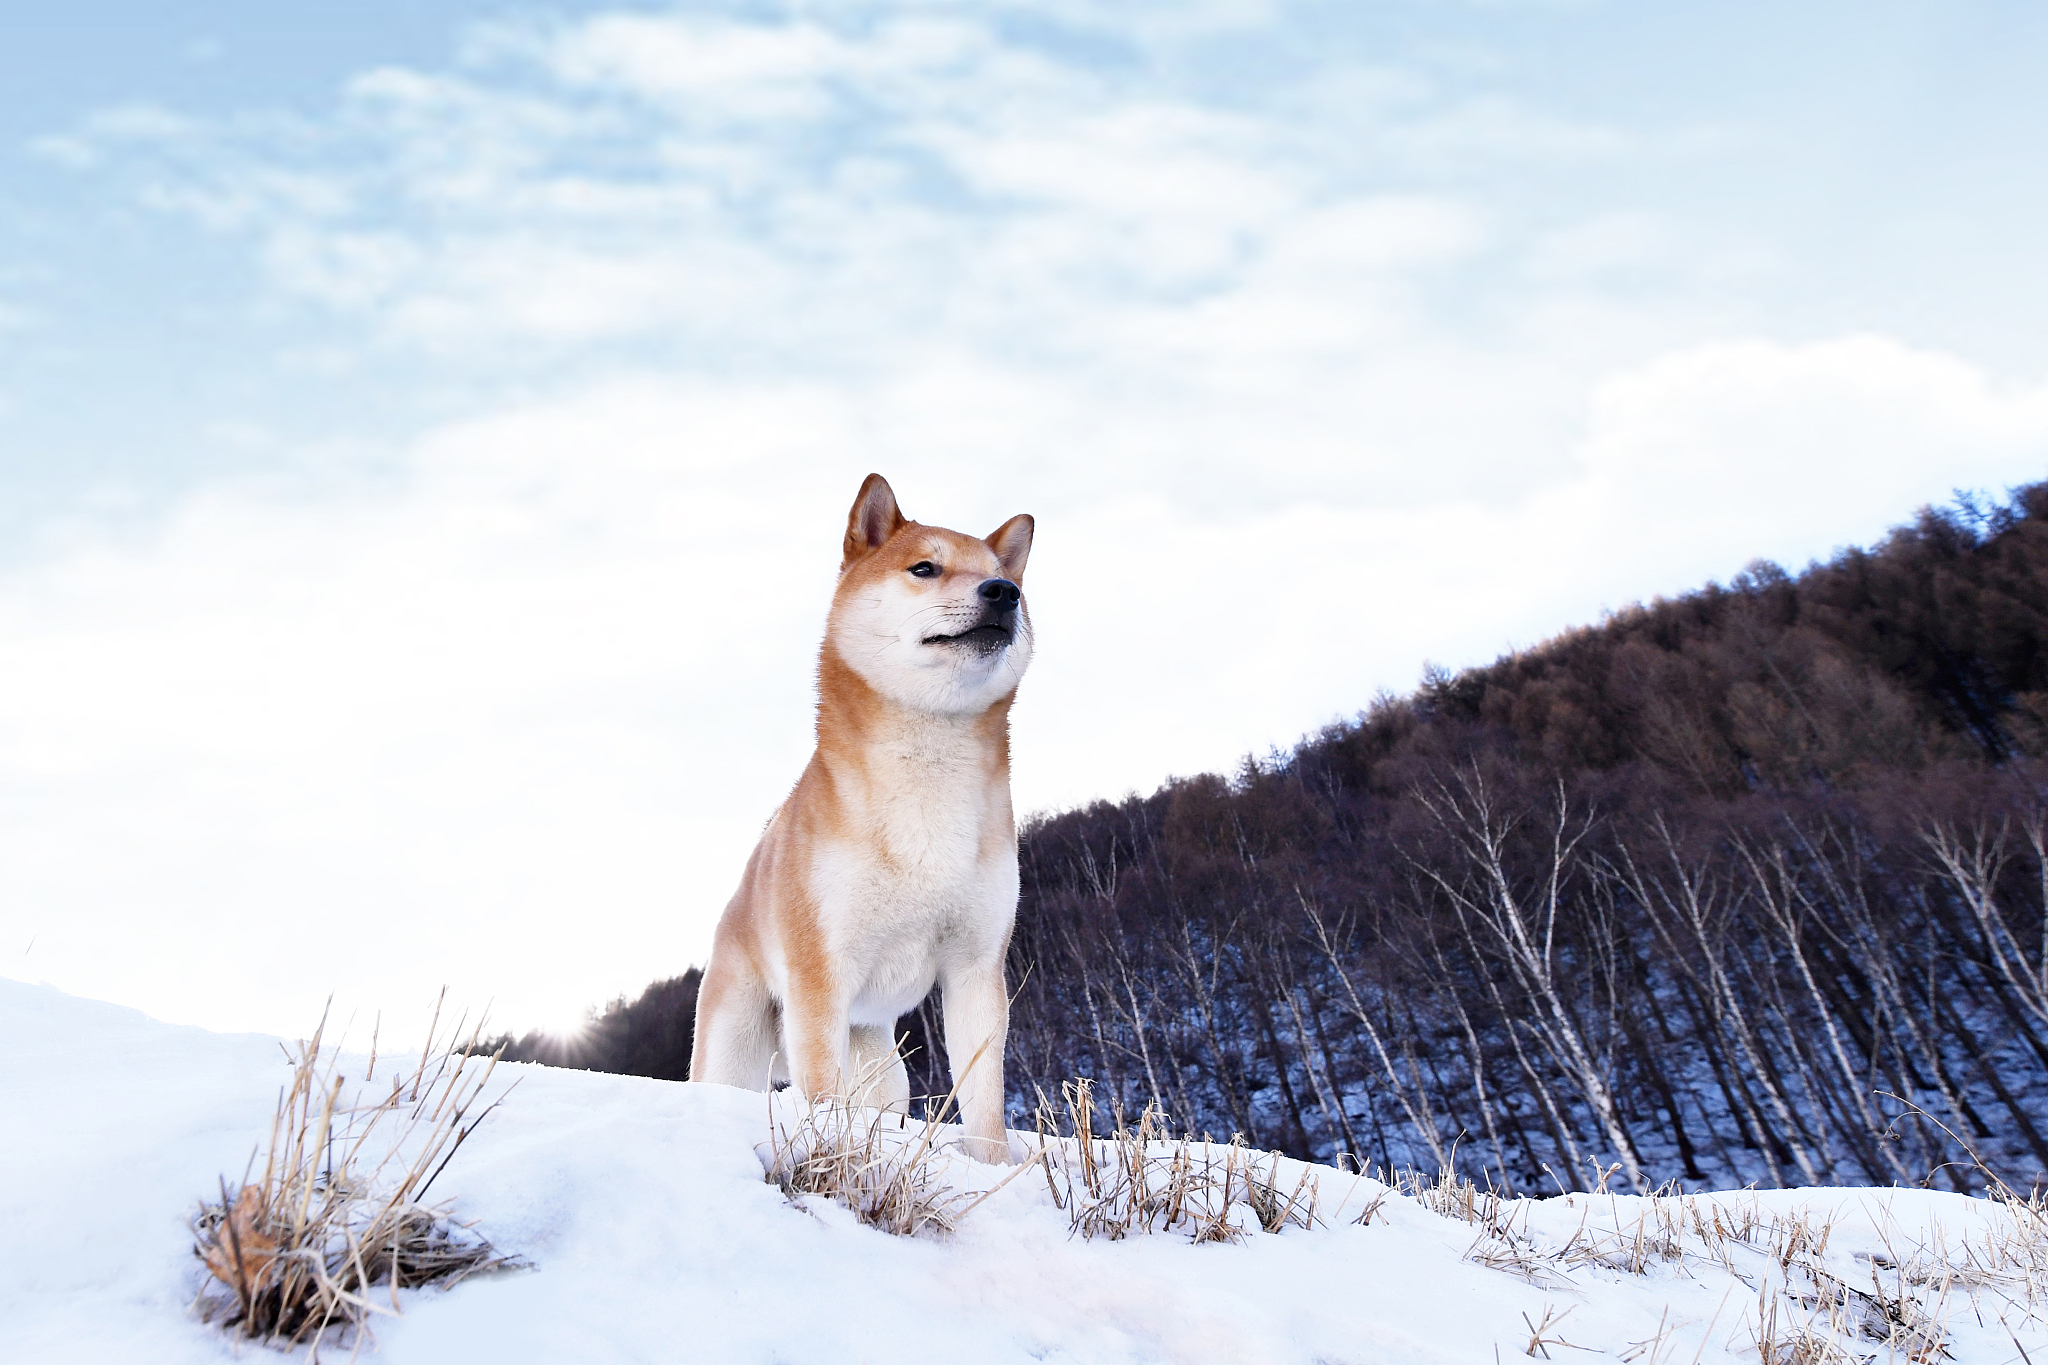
(991,1151)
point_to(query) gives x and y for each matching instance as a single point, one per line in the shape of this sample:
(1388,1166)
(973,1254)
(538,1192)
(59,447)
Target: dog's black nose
(1000,593)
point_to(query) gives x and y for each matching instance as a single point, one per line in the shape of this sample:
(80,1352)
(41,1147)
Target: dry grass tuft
(1140,1179)
(1498,1243)
(1132,1180)
(2006,1264)
(867,1160)
(1540,1333)
(1808,1312)
(862,1159)
(1814,1317)
(2012,1258)
(1450,1195)
(293,1255)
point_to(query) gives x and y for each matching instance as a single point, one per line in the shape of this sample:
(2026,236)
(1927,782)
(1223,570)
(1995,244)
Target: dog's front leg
(815,1036)
(977,1012)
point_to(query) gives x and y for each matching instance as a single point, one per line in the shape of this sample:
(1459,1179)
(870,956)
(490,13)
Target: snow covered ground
(653,1237)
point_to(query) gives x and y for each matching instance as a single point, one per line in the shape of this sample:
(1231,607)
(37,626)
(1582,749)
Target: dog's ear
(1012,543)
(872,521)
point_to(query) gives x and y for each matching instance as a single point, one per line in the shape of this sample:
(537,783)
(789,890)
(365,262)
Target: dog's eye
(924,568)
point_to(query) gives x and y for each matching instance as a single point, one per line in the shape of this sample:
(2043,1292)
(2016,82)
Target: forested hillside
(1743,886)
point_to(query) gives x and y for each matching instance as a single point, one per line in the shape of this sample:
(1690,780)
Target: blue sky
(424,430)
(1849,167)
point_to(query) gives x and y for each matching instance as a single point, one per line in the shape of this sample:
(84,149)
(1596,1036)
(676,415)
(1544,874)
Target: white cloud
(1794,449)
(791,189)
(723,68)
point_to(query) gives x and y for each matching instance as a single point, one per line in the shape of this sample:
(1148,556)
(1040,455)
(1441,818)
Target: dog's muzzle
(997,624)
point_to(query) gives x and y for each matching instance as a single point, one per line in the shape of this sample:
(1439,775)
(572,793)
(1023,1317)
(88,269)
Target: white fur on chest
(926,876)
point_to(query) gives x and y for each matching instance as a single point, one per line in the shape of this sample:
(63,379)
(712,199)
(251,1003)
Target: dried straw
(338,1209)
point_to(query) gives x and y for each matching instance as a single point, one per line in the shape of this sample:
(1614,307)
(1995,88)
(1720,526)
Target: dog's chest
(925,852)
(917,854)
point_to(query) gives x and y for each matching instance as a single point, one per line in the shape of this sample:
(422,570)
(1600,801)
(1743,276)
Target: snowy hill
(653,1237)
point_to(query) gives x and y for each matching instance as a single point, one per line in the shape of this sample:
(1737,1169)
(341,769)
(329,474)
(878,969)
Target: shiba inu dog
(893,863)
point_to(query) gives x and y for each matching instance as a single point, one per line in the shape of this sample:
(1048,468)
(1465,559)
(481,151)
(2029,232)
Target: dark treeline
(649,1036)
(1743,886)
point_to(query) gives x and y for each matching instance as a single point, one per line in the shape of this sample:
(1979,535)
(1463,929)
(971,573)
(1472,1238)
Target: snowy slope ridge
(653,1236)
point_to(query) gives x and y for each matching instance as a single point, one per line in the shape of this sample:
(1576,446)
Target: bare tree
(1523,921)
(1973,865)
